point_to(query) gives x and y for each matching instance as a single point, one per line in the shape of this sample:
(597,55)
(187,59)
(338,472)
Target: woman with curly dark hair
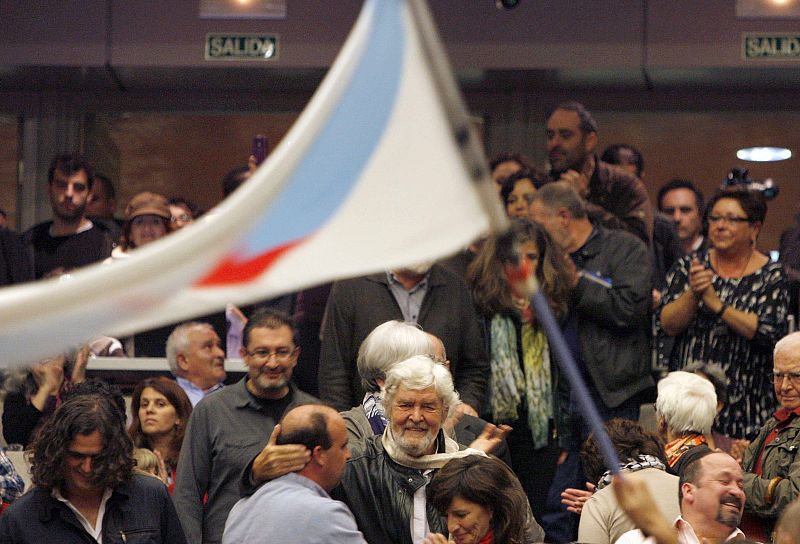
(521,392)
(161,410)
(483,501)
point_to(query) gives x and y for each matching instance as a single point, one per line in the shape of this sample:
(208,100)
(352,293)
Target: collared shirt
(419,517)
(697,243)
(225,432)
(291,508)
(194,393)
(686,535)
(97,531)
(784,417)
(409,300)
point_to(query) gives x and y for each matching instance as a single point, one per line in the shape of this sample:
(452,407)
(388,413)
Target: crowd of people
(425,402)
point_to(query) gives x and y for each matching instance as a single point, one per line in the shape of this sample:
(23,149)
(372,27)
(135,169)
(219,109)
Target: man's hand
(490,437)
(274,461)
(81,361)
(573,498)
(578,180)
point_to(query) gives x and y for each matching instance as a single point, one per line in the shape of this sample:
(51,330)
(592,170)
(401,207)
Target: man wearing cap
(70,240)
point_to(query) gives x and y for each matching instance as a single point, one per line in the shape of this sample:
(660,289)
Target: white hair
(687,402)
(419,373)
(178,342)
(387,344)
(789,343)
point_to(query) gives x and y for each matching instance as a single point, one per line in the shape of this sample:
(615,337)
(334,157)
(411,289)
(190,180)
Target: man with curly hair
(85,489)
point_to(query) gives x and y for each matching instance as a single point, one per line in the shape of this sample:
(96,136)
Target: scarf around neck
(424,462)
(512,382)
(640,463)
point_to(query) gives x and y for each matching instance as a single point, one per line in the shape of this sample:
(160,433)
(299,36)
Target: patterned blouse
(747,363)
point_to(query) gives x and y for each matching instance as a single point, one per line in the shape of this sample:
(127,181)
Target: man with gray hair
(609,321)
(388,344)
(772,461)
(196,359)
(685,409)
(385,480)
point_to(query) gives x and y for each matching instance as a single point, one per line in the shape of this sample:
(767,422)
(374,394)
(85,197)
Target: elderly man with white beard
(384,481)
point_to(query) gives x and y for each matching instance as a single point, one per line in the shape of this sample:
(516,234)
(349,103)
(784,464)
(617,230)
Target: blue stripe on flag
(334,162)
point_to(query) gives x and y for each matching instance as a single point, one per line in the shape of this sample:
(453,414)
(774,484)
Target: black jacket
(356,306)
(614,322)
(138,511)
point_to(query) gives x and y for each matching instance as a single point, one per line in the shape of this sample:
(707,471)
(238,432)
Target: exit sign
(224,46)
(771,46)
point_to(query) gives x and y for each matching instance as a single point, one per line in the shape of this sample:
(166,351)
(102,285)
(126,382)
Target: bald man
(296,507)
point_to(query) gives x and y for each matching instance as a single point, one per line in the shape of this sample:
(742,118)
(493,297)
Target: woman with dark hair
(483,501)
(147,218)
(161,412)
(728,305)
(517,191)
(183,212)
(602,519)
(521,392)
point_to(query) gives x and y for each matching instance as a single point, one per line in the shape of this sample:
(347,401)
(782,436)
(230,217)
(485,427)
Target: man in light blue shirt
(296,507)
(196,359)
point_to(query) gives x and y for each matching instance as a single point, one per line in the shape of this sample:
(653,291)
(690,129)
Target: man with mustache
(384,481)
(615,197)
(231,427)
(712,502)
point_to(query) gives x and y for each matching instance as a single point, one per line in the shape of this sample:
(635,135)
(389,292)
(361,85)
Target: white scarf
(424,462)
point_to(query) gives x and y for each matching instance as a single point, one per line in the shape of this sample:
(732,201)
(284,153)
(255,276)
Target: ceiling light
(764,154)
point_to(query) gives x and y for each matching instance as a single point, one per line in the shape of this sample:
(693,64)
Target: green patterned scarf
(509,383)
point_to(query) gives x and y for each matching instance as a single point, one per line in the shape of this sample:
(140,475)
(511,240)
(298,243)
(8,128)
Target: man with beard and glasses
(384,482)
(231,427)
(712,502)
(616,198)
(425,294)
(70,240)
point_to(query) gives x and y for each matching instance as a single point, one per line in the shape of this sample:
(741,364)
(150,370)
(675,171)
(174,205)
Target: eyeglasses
(281,355)
(794,377)
(729,220)
(183,218)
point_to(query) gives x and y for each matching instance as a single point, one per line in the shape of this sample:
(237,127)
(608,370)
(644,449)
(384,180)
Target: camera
(507,4)
(741,177)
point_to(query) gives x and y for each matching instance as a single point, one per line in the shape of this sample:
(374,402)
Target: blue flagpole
(570,368)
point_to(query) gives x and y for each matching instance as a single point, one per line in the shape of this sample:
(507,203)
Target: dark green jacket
(781,458)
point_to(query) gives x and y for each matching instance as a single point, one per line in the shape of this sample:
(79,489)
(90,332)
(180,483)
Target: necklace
(741,272)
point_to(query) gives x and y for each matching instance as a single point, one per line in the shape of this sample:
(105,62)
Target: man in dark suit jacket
(432,297)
